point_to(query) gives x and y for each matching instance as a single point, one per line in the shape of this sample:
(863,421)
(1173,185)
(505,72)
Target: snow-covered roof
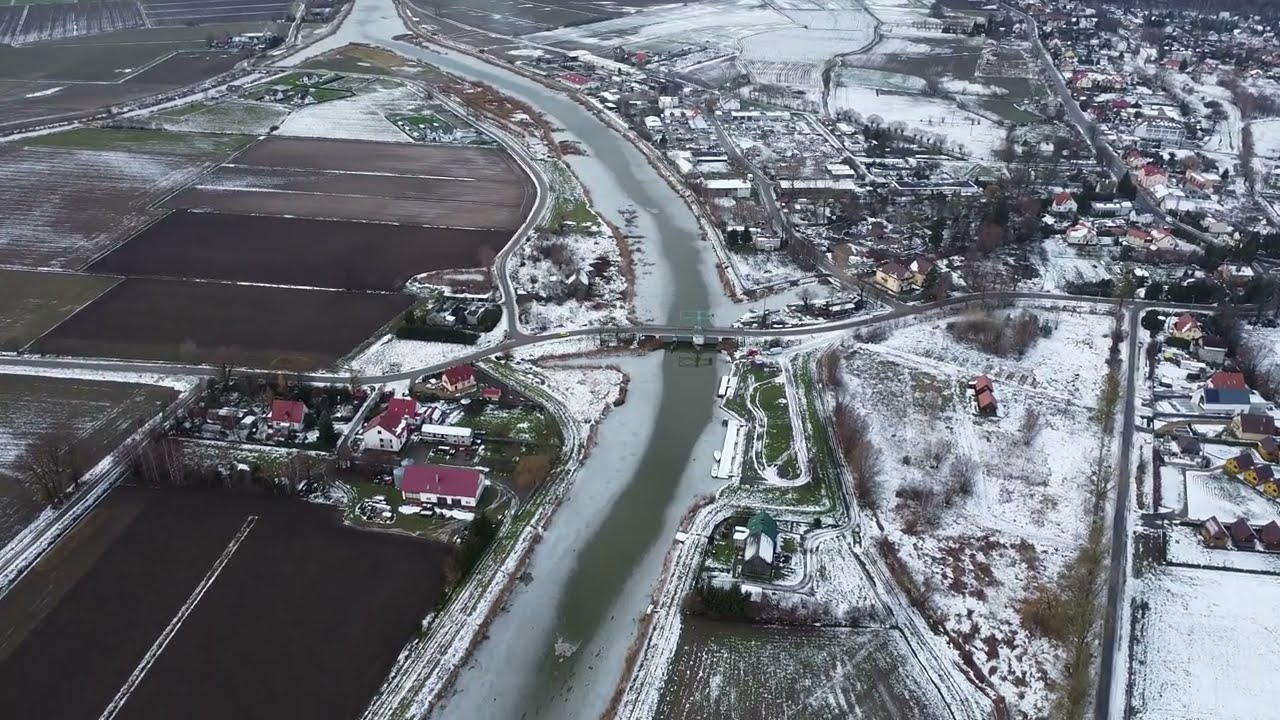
(447,430)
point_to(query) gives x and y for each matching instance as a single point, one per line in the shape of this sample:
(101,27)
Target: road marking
(149,659)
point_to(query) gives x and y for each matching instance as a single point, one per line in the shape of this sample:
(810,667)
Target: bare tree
(806,296)
(1030,425)
(51,465)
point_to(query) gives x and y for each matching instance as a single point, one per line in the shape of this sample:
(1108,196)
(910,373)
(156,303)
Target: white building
(728,187)
(450,434)
(1160,130)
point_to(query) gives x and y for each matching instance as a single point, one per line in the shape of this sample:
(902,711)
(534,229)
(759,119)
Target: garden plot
(1184,547)
(1027,511)
(361,117)
(759,672)
(1266,138)
(63,207)
(1211,494)
(1062,265)
(1205,644)
(232,116)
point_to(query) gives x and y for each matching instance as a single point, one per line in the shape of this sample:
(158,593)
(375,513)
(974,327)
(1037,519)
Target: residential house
(1137,237)
(727,187)
(1235,275)
(1238,464)
(920,268)
(492,394)
(1226,381)
(1187,327)
(1270,486)
(1242,536)
(447,434)
(1187,445)
(1064,203)
(761,241)
(1081,233)
(1210,349)
(1152,175)
(458,378)
(442,485)
(1252,426)
(1222,401)
(761,546)
(393,427)
(288,415)
(1258,475)
(1269,535)
(1269,449)
(1212,534)
(1134,159)
(894,277)
(1205,181)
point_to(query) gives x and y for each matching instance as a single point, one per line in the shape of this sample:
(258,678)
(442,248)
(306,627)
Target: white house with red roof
(1064,204)
(458,378)
(1082,233)
(288,415)
(1152,175)
(393,427)
(442,485)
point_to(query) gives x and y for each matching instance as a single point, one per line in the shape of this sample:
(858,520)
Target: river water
(558,649)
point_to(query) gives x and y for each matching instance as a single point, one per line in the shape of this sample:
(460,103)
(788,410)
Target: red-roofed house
(288,414)
(1152,175)
(893,277)
(986,403)
(577,80)
(492,394)
(442,485)
(1187,327)
(1064,204)
(1226,381)
(458,378)
(393,427)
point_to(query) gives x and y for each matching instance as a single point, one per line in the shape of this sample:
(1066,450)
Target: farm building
(448,434)
(459,378)
(761,546)
(442,485)
(1212,534)
(288,415)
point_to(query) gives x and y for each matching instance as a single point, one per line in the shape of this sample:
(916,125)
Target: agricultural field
(246,325)
(72,77)
(33,302)
(761,672)
(65,206)
(230,116)
(297,251)
(202,12)
(146,142)
(359,117)
(441,186)
(20,24)
(512,17)
(101,414)
(278,572)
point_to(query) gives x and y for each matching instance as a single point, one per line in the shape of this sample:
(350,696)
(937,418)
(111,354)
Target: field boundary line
(94,299)
(172,628)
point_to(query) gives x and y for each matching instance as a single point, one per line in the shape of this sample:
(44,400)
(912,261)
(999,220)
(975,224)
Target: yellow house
(1259,475)
(1187,327)
(893,277)
(1271,488)
(1239,463)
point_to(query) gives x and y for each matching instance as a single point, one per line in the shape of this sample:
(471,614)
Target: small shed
(761,546)
(1242,535)
(1269,536)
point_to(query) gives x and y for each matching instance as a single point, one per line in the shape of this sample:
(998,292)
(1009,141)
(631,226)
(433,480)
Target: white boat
(716,455)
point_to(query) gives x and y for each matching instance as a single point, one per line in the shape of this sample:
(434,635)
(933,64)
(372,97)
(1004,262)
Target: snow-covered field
(361,117)
(1063,265)
(1211,494)
(1206,645)
(965,131)
(1027,513)
(393,355)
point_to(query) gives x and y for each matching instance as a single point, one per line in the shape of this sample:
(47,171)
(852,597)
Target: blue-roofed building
(1224,400)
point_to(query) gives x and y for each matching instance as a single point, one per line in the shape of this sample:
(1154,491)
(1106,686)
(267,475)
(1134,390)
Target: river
(558,649)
